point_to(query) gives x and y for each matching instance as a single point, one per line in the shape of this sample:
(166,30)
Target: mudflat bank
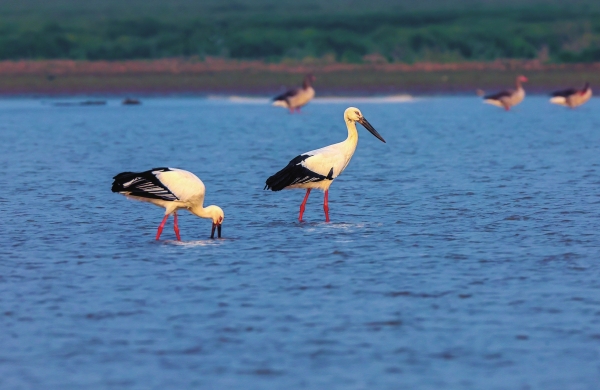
(168,76)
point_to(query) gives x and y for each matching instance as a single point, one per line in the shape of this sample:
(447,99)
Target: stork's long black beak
(371,129)
(212,232)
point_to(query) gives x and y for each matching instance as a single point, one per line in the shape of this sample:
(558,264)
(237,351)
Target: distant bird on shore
(131,102)
(296,98)
(508,98)
(572,97)
(173,189)
(318,168)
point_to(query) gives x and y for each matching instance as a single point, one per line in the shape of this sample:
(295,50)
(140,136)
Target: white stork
(172,189)
(318,168)
(508,98)
(295,98)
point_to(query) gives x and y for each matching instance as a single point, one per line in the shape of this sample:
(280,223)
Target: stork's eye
(357,113)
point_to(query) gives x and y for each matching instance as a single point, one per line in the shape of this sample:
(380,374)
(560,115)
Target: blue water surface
(462,254)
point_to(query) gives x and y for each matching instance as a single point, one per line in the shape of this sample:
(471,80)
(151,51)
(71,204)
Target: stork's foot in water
(303,205)
(176,227)
(326,205)
(161,227)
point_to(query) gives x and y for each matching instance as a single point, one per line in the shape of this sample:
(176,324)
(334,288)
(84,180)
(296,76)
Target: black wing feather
(143,184)
(499,95)
(295,173)
(286,95)
(565,92)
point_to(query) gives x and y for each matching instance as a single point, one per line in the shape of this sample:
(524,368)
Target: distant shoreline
(217,76)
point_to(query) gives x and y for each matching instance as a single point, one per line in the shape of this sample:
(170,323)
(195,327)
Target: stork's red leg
(298,110)
(176,227)
(326,205)
(303,205)
(291,110)
(161,226)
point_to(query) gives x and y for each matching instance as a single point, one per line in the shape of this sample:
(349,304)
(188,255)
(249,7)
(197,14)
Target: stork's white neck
(200,211)
(209,212)
(352,132)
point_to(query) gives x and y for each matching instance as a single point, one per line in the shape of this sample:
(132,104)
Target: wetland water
(462,254)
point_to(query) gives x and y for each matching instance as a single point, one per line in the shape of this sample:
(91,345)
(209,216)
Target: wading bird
(510,97)
(318,168)
(572,97)
(295,98)
(173,189)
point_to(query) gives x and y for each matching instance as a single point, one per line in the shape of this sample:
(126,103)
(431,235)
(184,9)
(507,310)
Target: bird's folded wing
(286,95)
(499,95)
(565,92)
(143,184)
(298,172)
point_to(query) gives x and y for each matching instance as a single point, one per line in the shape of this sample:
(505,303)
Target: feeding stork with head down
(171,188)
(295,98)
(508,98)
(318,168)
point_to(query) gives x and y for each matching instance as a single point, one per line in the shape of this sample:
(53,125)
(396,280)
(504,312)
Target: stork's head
(353,114)
(217,215)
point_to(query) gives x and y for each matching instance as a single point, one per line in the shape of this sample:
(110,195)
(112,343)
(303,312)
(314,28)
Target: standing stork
(318,168)
(173,189)
(295,98)
(572,97)
(508,98)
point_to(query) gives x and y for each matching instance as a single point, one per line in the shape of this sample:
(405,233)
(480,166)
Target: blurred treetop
(348,31)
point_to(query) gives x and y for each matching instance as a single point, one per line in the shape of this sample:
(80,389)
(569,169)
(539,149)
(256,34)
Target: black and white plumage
(296,98)
(143,184)
(296,173)
(508,98)
(318,168)
(171,188)
(572,97)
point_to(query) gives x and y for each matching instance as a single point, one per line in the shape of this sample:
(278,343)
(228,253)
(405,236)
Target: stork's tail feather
(280,180)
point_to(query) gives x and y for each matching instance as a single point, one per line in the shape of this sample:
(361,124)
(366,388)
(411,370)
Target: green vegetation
(276,31)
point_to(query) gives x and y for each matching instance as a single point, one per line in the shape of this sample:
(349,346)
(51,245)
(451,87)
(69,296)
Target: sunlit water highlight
(464,253)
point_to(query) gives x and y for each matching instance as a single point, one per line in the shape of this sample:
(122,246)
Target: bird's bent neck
(201,211)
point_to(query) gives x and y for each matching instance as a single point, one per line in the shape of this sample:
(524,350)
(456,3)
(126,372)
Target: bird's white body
(296,98)
(516,97)
(572,97)
(508,98)
(187,188)
(318,168)
(299,98)
(334,157)
(171,188)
